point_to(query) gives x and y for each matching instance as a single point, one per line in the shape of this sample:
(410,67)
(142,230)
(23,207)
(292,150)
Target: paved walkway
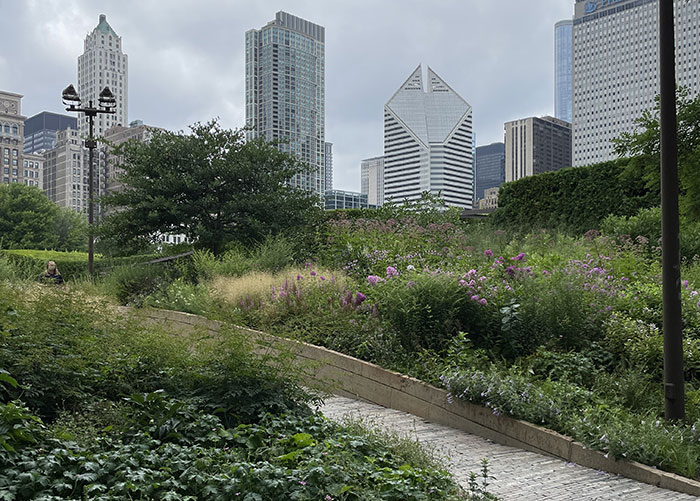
(519,475)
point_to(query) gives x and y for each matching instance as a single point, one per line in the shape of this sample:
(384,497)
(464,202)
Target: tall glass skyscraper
(563,69)
(490,167)
(428,142)
(286,92)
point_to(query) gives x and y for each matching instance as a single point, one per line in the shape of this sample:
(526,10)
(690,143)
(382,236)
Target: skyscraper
(286,92)
(372,180)
(428,142)
(40,130)
(66,172)
(490,167)
(616,68)
(329,166)
(103,64)
(11,136)
(563,68)
(536,145)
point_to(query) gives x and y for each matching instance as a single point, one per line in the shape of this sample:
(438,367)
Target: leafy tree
(210,185)
(71,230)
(643,145)
(27,218)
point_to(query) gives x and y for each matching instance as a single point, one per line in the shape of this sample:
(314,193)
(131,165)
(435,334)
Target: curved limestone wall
(351,377)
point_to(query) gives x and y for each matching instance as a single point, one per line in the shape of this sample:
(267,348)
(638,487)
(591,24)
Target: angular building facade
(103,64)
(40,130)
(428,142)
(563,69)
(615,68)
(536,145)
(285,92)
(490,167)
(372,180)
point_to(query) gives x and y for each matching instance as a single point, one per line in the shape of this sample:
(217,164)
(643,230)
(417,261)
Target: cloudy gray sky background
(186,59)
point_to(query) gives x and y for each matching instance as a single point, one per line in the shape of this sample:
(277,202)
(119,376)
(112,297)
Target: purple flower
(374,279)
(685,283)
(359,298)
(546,273)
(488,253)
(299,277)
(483,301)
(322,278)
(308,265)
(475,297)
(301,482)
(462,283)
(510,270)
(313,273)
(391,272)
(519,257)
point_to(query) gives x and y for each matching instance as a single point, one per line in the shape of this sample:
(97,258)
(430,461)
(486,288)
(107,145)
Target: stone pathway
(519,475)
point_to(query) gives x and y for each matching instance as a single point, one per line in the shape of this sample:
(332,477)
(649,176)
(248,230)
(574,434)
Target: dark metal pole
(674,390)
(90,143)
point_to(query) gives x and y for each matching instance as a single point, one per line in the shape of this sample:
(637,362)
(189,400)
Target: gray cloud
(186,60)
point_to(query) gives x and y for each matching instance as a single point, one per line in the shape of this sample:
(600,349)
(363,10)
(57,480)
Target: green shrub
(273,254)
(555,200)
(572,367)
(644,230)
(181,295)
(132,284)
(428,310)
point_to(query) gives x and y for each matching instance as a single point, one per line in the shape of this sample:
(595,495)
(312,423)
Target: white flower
(410,267)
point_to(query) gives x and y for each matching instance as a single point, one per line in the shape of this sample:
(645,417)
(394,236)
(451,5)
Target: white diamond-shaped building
(428,142)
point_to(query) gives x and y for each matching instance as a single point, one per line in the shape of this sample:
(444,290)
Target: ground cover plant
(558,330)
(94,405)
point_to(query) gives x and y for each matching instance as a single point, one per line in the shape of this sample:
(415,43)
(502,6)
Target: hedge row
(70,264)
(573,200)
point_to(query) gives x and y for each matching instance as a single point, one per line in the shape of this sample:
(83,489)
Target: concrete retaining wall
(351,377)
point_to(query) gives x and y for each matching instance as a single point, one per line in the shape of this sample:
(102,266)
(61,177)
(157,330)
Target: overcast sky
(186,59)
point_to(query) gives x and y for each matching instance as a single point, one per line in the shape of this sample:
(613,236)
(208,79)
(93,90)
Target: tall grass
(259,285)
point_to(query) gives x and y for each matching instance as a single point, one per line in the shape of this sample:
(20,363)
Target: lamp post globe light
(107,103)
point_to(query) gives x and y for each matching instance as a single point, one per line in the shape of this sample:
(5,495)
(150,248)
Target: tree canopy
(210,185)
(644,145)
(29,220)
(26,218)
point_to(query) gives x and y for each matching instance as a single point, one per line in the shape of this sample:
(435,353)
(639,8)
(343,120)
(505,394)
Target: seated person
(51,275)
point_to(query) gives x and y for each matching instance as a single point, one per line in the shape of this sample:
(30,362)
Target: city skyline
(184,69)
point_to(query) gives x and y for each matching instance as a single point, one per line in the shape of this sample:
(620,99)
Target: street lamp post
(107,103)
(674,383)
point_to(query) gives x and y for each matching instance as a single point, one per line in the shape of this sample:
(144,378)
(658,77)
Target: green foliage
(135,412)
(210,185)
(18,429)
(573,200)
(643,230)
(428,310)
(643,144)
(131,284)
(31,263)
(72,231)
(27,218)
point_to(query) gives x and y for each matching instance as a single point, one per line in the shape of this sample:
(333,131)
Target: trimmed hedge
(572,200)
(71,264)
